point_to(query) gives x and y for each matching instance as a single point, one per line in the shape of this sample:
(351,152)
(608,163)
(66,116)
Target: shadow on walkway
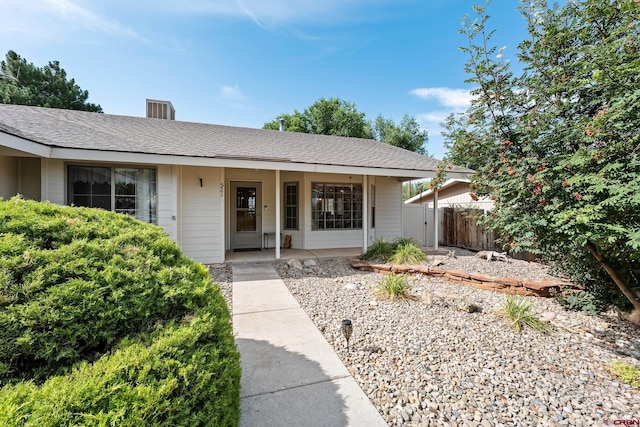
(305,396)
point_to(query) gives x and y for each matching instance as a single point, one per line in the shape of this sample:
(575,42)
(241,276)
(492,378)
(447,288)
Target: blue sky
(243,62)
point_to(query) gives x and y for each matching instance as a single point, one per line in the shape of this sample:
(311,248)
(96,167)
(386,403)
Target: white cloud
(436,117)
(448,97)
(232,93)
(234,97)
(273,12)
(54,18)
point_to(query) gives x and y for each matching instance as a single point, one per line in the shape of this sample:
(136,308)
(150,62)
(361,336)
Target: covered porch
(268,255)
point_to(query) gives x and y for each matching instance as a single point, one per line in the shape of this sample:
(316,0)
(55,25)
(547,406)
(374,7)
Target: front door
(246,215)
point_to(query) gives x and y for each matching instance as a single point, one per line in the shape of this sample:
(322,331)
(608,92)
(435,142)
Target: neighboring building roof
(428,195)
(81,130)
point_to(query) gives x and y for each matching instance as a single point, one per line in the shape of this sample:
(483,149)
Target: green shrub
(627,373)
(378,250)
(401,241)
(403,250)
(408,253)
(581,301)
(180,375)
(394,286)
(517,310)
(84,287)
(599,292)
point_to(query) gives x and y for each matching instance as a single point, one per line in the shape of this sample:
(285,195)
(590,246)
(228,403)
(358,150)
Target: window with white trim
(373,206)
(291,198)
(336,206)
(126,190)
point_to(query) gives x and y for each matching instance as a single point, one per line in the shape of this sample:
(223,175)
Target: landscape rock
(295,264)
(442,366)
(547,316)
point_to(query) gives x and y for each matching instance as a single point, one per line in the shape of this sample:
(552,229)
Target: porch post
(223,220)
(278,203)
(435,219)
(365,210)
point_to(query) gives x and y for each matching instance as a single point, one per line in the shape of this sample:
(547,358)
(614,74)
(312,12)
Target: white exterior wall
(197,217)
(200,222)
(388,208)
(324,239)
(30,178)
(20,175)
(458,196)
(53,186)
(8,177)
(167,201)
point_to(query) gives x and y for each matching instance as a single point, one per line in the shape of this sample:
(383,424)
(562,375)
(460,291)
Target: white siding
(8,177)
(388,208)
(53,181)
(30,178)
(200,214)
(327,239)
(458,196)
(166,200)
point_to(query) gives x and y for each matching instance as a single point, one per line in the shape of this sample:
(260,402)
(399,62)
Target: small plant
(401,241)
(580,301)
(394,286)
(378,250)
(518,311)
(408,253)
(627,373)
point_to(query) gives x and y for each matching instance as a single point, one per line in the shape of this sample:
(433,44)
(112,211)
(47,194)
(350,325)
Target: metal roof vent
(160,110)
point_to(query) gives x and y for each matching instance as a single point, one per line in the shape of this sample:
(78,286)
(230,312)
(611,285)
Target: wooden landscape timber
(507,285)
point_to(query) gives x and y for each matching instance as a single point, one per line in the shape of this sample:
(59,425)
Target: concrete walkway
(290,374)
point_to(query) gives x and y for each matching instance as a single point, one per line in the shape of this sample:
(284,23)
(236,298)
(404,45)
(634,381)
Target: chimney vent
(160,110)
(281,125)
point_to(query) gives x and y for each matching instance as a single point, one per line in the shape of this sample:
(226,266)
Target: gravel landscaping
(425,362)
(222,274)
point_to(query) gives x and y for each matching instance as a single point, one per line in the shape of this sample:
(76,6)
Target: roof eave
(24,145)
(166,159)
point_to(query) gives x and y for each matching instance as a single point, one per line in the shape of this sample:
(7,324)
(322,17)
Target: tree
(25,84)
(558,146)
(334,116)
(331,116)
(413,188)
(407,134)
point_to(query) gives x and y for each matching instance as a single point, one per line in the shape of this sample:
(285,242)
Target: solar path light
(347,330)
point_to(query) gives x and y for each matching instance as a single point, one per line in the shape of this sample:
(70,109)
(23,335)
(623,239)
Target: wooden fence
(461,229)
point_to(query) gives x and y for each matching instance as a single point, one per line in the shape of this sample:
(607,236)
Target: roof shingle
(106,132)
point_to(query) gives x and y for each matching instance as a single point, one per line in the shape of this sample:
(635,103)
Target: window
(373,206)
(291,206)
(246,214)
(336,206)
(125,190)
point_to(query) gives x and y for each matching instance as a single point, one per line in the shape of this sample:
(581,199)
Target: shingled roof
(106,132)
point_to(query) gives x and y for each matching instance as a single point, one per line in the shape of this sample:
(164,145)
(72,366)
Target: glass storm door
(246,216)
